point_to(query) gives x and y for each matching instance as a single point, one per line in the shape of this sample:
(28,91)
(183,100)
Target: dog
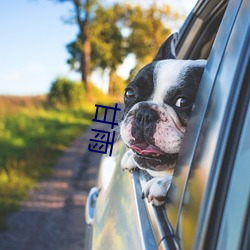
(158,102)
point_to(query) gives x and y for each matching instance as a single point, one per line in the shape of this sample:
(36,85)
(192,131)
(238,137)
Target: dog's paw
(156,189)
(127,162)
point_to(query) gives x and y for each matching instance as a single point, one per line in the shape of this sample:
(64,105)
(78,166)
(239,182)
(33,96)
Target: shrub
(65,92)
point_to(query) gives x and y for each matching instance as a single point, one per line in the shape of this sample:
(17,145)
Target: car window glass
(188,214)
(188,146)
(236,207)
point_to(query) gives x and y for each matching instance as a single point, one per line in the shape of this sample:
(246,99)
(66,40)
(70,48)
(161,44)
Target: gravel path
(53,218)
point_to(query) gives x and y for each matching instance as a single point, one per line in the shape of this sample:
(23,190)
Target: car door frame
(198,139)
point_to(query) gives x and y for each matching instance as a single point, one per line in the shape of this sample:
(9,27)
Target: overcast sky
(32,44)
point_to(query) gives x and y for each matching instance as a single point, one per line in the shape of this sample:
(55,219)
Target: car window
(198,33)
(235,211)
(192,132)
(208,130)
(204,23)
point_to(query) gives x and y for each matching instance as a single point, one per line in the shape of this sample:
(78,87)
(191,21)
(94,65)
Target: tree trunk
(86,58)
(86,45)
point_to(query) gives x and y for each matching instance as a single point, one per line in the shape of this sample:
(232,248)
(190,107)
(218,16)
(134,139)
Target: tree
(119,30)
(108,48)
(148,31)
(108,45)
(83,15)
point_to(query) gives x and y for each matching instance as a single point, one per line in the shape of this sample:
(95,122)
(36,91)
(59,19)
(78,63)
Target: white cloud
(19,74)
(23,80)
(34,68)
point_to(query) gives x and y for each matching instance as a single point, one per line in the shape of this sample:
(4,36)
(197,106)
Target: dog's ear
(167,49)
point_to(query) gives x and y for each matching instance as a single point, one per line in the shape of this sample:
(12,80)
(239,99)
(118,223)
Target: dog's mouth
(149,152)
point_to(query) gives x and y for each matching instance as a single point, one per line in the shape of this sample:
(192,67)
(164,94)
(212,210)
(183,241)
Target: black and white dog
(158,103)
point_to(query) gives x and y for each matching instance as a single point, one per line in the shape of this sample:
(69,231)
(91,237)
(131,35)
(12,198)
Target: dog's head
(158,103)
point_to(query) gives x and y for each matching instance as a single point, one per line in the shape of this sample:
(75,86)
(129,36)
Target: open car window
(195,42)
(198,33)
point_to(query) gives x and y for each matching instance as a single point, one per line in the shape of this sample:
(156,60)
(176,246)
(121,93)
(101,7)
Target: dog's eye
(183,102)
(130,94)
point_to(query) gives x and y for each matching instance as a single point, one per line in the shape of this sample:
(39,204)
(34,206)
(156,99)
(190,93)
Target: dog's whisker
(118,138)
(114,129)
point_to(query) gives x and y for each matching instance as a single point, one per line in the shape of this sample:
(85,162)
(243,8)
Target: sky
(32,44)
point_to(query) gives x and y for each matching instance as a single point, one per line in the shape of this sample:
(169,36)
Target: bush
(65,92)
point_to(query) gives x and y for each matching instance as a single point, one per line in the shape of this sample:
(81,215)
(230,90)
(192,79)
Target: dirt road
(53,218)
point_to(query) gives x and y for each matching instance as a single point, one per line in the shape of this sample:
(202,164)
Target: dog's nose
(145,118)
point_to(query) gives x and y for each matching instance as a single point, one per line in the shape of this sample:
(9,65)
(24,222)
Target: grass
(31,139)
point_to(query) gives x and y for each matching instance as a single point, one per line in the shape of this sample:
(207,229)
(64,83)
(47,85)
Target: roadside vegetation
(34,131)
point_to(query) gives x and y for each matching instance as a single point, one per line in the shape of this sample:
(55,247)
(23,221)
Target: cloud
(20,74)
(25,79)
(34,67)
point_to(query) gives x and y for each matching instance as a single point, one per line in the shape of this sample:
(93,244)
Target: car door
(122,220)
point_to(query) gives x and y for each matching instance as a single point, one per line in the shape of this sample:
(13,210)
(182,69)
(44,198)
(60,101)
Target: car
(208,203)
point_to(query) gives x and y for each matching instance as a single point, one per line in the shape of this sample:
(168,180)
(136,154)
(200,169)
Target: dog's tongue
(145,149)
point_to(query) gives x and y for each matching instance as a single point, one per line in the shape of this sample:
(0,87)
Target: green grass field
(31,139)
